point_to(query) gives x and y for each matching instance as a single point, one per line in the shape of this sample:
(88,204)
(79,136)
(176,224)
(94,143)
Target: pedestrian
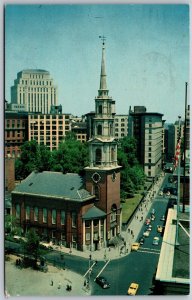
(59,285)
(51,282)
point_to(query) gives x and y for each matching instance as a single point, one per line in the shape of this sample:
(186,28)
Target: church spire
(103,77)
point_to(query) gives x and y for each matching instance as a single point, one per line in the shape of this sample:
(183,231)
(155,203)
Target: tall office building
(147,129)
(48,129)
(35,89)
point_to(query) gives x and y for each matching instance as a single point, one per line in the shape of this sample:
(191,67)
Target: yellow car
(160,228)
(132,290)
(135,246)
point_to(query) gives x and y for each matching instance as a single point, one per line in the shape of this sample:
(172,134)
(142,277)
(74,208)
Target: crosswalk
(149,250)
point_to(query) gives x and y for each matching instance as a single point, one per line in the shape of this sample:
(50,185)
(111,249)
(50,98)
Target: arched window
(99,129)
(18,211)
(98,156)
(36,214)
(110,129)
(113,215)
(112,154)
(96,192)
(100,109)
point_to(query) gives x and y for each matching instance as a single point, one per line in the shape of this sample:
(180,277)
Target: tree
(32,245)
(132,175)
(72,156)
(11,225)
(33,157)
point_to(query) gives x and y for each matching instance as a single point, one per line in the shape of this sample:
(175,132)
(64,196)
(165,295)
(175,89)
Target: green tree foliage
(71,156)
(132,175)
(11,226)
(33,157)
(32,244)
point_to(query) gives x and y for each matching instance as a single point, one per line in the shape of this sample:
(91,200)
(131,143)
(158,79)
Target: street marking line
(102,269)
(144,251)
(153,249)
(89,269)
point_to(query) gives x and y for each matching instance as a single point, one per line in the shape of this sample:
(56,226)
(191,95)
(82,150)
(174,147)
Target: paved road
(139,266)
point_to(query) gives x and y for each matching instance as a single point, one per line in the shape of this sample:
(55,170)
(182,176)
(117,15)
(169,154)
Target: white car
(146,233)
(156,241)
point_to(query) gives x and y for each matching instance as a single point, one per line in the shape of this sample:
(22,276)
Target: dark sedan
(102,281)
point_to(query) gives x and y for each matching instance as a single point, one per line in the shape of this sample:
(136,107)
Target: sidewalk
(130,235)
(28,282)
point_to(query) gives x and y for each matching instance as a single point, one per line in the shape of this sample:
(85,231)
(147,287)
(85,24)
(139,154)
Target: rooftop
(54,184)
(173,265)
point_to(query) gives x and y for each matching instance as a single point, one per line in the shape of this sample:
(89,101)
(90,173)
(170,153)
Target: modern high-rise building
(147,130)
(48,129)
(34,89)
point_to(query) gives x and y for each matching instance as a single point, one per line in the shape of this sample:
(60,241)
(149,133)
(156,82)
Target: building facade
(103,173)
(121,126)
(16,132)
(147,129)
(34,89)
(68,209)
(48,129)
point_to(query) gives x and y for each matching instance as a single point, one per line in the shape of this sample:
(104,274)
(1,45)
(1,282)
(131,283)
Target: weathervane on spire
(103,38)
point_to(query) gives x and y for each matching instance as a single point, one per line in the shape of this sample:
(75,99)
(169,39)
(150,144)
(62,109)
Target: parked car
(102,281)
(161,193)
(152,217)
(149,227)
(135,246)
(156,241)
(141,240)
(146,233)
(133,288)
(162,218)
(160,228)
(153,211)
(147,221)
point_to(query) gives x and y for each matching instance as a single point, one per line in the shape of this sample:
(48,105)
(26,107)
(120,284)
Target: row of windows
(53,117)
(36,82)
(45,215)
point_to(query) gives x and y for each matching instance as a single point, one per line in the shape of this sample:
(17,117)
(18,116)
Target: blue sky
(147,53)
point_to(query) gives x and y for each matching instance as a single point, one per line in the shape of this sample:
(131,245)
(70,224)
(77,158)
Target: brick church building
(82,213)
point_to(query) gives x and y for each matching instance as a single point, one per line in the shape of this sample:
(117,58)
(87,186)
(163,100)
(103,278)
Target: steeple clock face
(96,177)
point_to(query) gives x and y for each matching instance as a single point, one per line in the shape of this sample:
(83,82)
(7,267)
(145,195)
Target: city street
(120,270)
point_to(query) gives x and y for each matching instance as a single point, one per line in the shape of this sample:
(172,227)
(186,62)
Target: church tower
(103,172)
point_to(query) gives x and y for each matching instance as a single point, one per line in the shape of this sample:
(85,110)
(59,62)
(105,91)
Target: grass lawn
(129,206)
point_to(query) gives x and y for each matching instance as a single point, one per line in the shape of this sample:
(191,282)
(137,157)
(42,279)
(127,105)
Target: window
(44,215)
(36,212)
(95,222)
(53,216)
(74,219)
(98,156)
(113,216)
(112,154)
(88,236)
(62,217)
(99,130)
(96,192)
(27,213)
(100,109)
(18,210)
(87,224)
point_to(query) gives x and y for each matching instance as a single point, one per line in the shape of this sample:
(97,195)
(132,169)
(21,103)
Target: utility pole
(184,150)
(178,184)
